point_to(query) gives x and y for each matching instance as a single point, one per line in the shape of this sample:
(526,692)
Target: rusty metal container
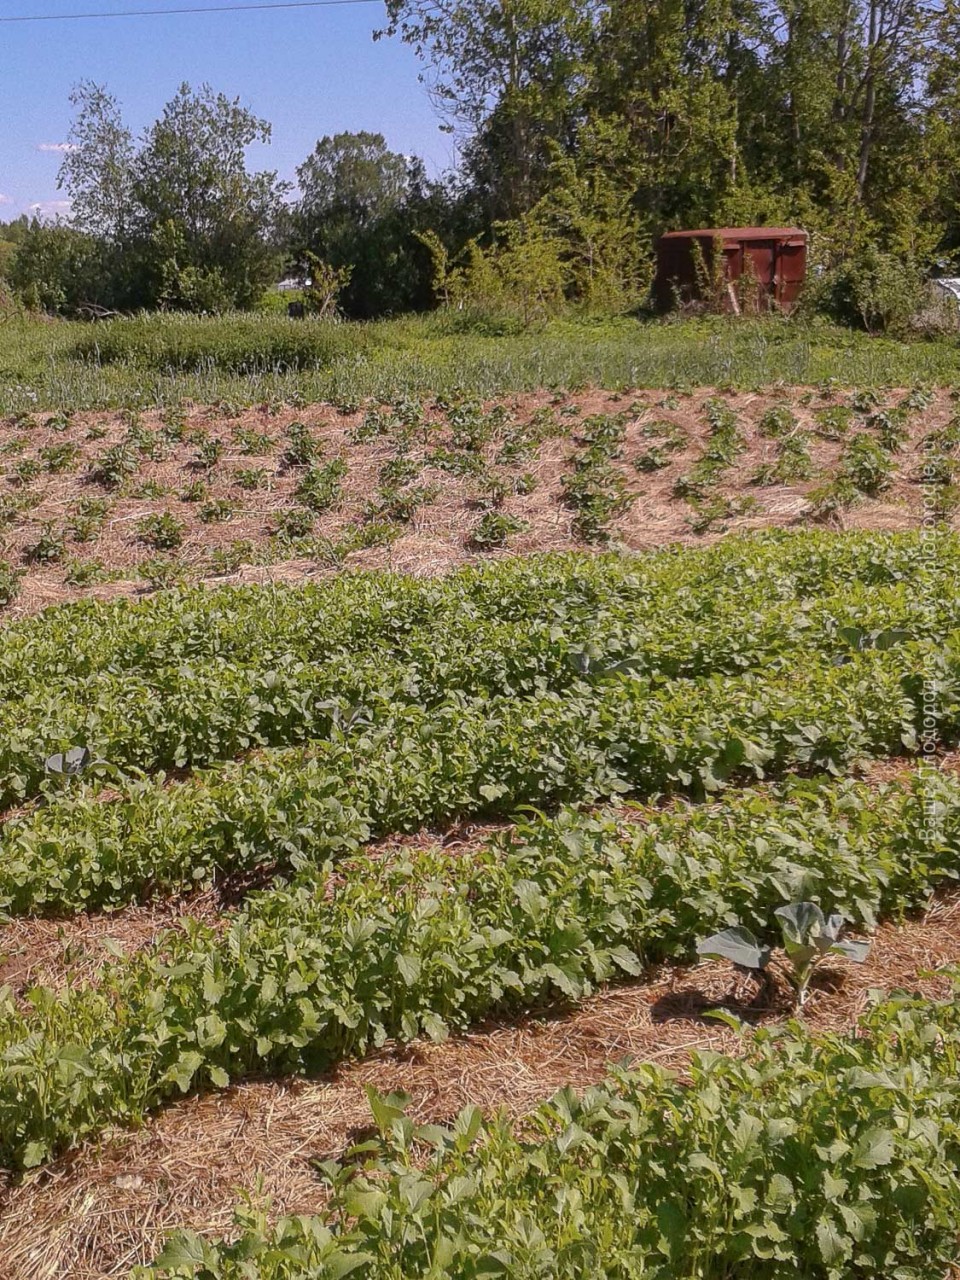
(763,268)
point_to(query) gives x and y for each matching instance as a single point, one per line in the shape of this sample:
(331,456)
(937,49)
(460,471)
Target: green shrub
(294,522)
(9,583)
(217,511)
(873,289)
(250,477)
(320,487)
(867,464)
(48,548)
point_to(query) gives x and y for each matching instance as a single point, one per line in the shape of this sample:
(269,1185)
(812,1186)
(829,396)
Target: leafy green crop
(394,766)
(308,974)
(809,938)
(827,1157)
(202,677)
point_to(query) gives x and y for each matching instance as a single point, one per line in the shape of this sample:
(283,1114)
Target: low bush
(242,344)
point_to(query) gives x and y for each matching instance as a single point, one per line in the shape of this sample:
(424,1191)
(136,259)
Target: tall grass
(161,359)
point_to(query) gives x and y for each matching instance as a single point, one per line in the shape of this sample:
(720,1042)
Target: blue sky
(309,72)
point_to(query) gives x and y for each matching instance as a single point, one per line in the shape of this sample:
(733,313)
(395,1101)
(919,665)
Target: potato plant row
(400,768)
(826,1157)
(306,975)
(354,614)
(197,711)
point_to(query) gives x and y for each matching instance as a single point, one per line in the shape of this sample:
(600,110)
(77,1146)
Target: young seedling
(809,937)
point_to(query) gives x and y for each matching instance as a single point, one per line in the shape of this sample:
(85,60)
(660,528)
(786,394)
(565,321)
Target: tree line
(585,130)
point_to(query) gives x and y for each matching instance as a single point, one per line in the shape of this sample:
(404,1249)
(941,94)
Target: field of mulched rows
(100,504)
(316,893)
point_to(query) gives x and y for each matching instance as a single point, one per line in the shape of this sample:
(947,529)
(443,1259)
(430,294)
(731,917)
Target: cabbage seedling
(808,938)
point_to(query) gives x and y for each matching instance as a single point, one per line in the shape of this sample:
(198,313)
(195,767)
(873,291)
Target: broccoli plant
(809,937)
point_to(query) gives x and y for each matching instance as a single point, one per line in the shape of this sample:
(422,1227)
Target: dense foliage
(822,1156)
(345,959)
(586,129)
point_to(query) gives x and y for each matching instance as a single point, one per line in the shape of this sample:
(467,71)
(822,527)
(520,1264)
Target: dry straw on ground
(437,538)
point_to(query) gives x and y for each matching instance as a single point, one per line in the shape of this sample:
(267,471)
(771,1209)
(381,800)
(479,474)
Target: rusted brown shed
(763,267)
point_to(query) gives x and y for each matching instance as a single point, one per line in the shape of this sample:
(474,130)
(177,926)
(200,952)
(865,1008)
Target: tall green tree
(178,218)
(97,171)
(506,74)
(207,219)
(361,206)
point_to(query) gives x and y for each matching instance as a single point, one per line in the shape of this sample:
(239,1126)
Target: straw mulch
(98,1212)
(438,536)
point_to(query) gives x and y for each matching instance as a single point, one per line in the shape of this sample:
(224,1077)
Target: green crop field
(372,696)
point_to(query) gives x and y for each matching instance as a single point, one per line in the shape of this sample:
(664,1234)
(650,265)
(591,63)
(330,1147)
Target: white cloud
(56,146)
(50,208)
(6,199)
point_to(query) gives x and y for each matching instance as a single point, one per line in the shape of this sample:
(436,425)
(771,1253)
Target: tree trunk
(869,102)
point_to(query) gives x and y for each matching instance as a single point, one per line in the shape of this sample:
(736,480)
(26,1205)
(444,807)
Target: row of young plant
(354,613)
(188,716)
(399,768)
(193,713)
(423,943)
(826,1157)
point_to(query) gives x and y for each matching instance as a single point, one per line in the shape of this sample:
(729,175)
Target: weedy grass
(243,359)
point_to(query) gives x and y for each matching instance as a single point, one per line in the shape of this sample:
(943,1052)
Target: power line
(163,13)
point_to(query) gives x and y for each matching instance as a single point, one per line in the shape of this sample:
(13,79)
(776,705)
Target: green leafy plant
(163,531)
(320,486)
(209,453)
(87,518)
(866,464)
(9,583)
(26,471)
(302,447)
(195,491)
(116,464)
(778,421)
(253,442)
(216,511)
(60,457)
(161,572)
(494,528)
(231,558)
(150,490)
(809,938)
(250,478)
(834,421)
(48,548)
(294,522)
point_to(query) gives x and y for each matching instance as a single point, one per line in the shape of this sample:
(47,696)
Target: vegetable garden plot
(117,504)
(826,1156)
(329,966)
(403,768)
(309,721)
